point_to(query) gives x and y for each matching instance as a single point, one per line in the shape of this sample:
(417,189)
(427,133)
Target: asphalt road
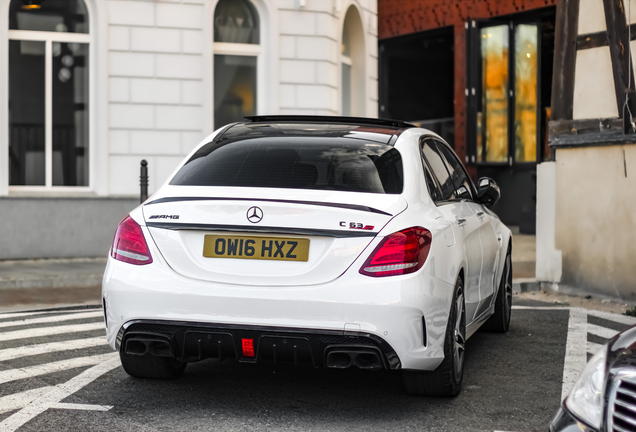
(57,373)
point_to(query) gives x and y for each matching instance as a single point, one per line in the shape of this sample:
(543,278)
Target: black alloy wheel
(446,380)
(499,322)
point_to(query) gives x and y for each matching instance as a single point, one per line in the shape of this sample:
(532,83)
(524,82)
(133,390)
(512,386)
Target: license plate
(260,248)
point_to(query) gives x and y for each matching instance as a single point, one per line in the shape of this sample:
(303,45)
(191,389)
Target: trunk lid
(338,226)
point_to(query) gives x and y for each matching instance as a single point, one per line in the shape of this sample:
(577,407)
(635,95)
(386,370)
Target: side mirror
(488,192)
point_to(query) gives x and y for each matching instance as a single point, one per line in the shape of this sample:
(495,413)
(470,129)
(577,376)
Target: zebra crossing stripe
(81,407)
(622,319)
(30,350)
(593,348)
(58,393)
(47,368)
(52,319)
(20,400)
(599,331)
(48,331)
(23,314)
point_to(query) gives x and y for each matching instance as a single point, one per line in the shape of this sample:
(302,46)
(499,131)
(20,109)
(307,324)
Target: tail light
(129,244)
(402,252)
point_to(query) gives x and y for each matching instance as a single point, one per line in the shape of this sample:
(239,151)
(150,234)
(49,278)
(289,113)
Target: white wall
(159,75)
(155,88)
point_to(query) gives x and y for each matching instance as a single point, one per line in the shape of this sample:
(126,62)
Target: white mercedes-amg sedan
(330,241)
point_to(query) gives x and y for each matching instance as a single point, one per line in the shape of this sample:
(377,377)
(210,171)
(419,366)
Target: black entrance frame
(517,179)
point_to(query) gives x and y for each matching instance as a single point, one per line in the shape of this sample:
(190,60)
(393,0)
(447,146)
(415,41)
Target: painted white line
(593,348)
(18,401)
(623,319)
(23,314)
(58,393)
(599,331)
(48,331)
(575,349)
(82,407)
(47,368)
(24,351)
(59,318)
(542,307)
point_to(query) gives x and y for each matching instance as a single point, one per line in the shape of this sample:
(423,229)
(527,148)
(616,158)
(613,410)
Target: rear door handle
(480,214)
(461,222)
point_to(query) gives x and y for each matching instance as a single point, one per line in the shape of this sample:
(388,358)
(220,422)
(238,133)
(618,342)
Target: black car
(604,397)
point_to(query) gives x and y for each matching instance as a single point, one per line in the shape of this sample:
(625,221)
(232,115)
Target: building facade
(539,95)
(89,88)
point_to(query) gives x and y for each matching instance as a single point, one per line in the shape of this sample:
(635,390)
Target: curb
(53,282)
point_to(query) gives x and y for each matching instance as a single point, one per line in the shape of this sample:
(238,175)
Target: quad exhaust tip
(362,358)
(141,346)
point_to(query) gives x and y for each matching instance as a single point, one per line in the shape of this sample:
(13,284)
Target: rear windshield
(298,163)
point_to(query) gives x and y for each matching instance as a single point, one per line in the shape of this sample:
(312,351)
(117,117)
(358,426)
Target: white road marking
(82,407)
(23,314)
(542,307)
(593,348)
(24,351)
(47,368)
(622,319)
(48,331)
(59,318)
(58,393)
(604,332)
(18,401)
(575,349)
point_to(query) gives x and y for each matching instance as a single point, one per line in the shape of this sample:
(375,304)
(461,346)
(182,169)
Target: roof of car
(377,130)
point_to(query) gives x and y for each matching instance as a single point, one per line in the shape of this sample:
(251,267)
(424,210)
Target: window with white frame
(236,53)
(48,94)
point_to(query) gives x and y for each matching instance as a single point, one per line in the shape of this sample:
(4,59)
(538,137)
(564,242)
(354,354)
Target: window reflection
(68,16)
(492,119)
(526,93)
(234,88)
(236,21)
(70,114)
(26,113)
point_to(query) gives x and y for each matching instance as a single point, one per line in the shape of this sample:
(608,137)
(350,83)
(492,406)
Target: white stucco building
(89,88)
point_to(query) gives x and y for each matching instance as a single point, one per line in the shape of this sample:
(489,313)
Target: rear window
(298,163)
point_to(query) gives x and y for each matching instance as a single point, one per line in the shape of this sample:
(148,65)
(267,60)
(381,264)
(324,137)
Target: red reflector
(129,244)
(248,347)
(400,253)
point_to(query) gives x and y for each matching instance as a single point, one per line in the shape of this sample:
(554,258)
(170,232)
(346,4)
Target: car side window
(457,172)
(433,189)
(438,167)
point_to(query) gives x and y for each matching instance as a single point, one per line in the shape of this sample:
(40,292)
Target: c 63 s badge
(356,225)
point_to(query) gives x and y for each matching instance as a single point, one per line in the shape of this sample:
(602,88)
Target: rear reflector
(400,253)
(129,244)
(248,347)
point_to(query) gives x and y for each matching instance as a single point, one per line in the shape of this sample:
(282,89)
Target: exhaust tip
(369,361)
(338,360)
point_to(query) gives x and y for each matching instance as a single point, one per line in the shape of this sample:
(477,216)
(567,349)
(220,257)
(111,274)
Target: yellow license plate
(260,248)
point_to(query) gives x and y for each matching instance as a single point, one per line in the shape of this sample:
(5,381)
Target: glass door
(503,93)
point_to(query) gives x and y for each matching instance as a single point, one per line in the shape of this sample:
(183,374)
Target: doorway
(510,63)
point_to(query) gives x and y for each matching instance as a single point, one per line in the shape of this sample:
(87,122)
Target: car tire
(499,322)
(446,380)
(149,366)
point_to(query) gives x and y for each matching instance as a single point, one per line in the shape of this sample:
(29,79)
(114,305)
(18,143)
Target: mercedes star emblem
(254,214)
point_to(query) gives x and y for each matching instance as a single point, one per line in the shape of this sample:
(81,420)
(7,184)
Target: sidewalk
(46,283)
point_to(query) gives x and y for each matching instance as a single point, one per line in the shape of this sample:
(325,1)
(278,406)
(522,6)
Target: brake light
(248,347)
(129,244)
(402,252)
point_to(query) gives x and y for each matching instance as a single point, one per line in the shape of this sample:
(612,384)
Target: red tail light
(129,244)
(400,253)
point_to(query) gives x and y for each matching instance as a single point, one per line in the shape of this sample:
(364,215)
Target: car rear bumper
(404,317)
(191,342)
